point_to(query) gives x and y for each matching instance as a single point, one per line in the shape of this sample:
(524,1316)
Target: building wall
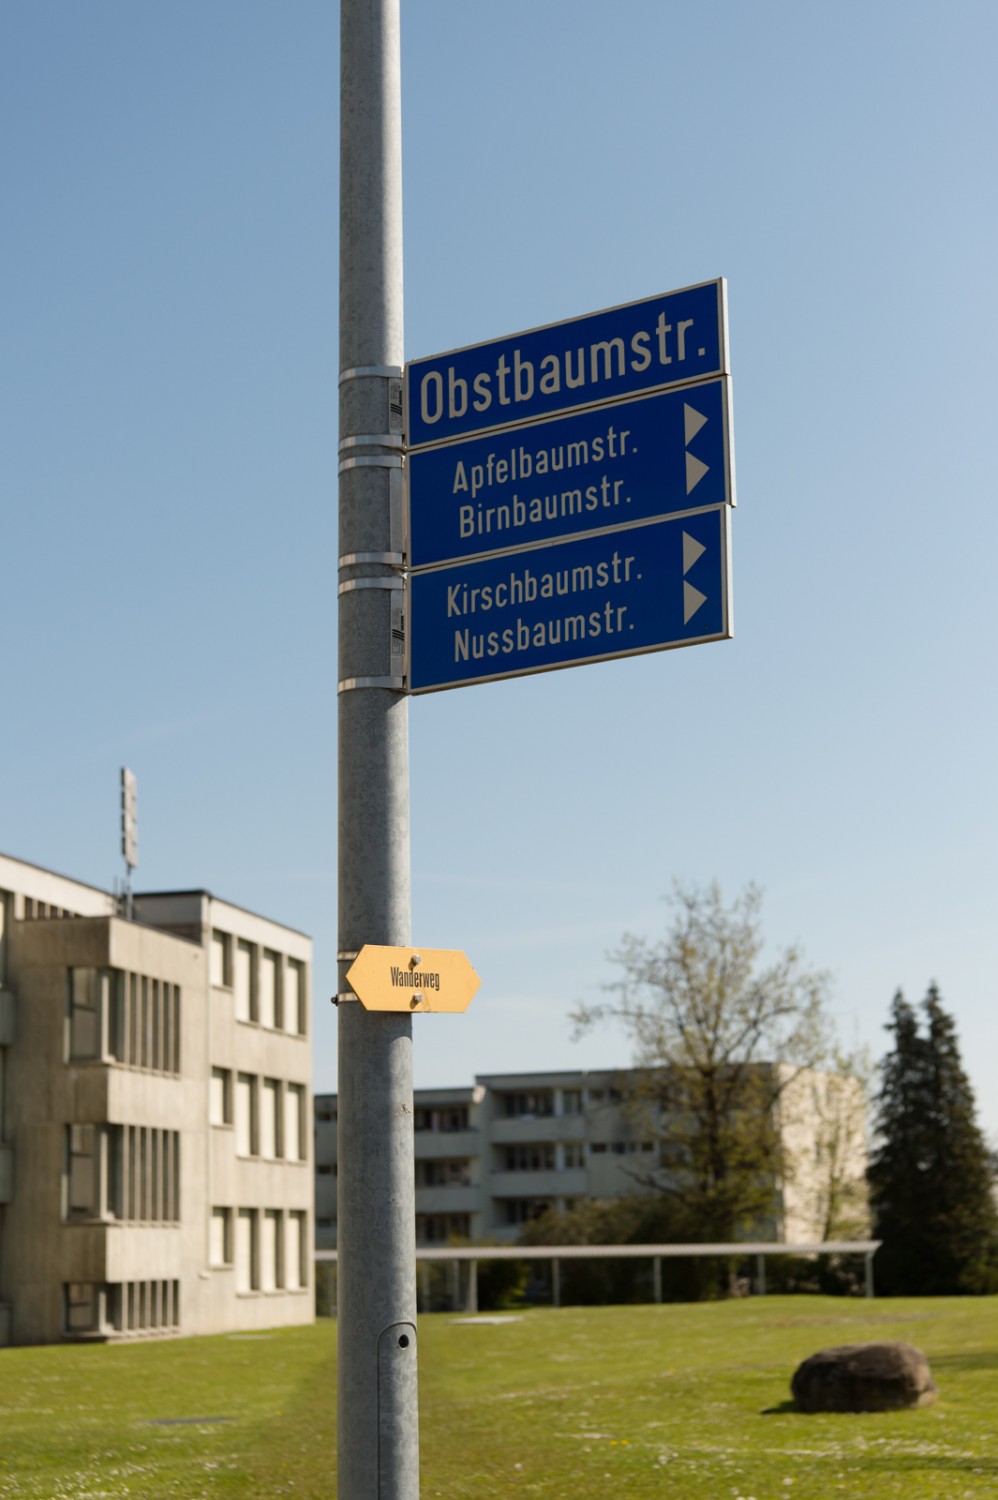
(125,1195)
(489,1158)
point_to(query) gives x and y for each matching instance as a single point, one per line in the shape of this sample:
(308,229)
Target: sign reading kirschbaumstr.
(671,339)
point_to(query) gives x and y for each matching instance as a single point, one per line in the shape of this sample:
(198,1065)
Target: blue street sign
(585,471)
(667,340)
(635,589)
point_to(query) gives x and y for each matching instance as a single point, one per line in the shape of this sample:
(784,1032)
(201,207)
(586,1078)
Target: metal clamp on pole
(356,559)
(394,684)
(371,372)
(372,440)
(350,585)
(371,461)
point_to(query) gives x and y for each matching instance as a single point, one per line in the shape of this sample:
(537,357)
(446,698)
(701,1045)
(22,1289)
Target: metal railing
(472,1254)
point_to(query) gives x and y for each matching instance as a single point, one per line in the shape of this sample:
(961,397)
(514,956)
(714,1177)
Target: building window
(272,1251)
(84,1015)
(244,986)
(448,1118)
(247,1122)
(294,998)
(114,1016)
(82,1172)
(270,1119)
(571,1101)
(82,1304)
(296,1256)
(221,960)
(294,1122)
(247,1251)
(456,1173)
(268,989)
(147,1306)
(126,1172)
(437,1229)
(221,1237)
(574,1155)
(527,1158)
(220,1101)
(529,1103)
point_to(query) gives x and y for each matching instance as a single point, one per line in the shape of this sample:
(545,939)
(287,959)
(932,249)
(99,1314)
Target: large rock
(864,1377)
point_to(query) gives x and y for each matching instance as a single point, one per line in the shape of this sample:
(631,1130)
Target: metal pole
(471,1301)
(378,1447)
(760,1275)
(869,1273)
(657,1277)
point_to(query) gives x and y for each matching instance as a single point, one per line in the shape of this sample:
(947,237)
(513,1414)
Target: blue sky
(168,536)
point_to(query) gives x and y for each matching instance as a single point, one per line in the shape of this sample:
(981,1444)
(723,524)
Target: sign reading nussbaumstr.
(593,470)
(672,339)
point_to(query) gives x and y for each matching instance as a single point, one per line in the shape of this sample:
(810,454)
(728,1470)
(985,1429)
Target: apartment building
(155,1171)
(490,1157)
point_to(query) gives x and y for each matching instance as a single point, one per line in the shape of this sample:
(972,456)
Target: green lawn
(672,1401)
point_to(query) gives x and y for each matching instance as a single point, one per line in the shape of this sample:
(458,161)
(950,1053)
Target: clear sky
(167,530)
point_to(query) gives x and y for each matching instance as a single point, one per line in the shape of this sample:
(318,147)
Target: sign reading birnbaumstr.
(638,588)
(671,339)
(634,460)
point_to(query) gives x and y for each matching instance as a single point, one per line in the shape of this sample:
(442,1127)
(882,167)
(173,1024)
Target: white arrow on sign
(692,549)
(694,421)
(692,600)
(695,470)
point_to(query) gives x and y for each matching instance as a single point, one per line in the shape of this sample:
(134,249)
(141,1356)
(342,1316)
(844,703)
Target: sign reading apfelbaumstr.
(672,339)
(619,593)
(634,460)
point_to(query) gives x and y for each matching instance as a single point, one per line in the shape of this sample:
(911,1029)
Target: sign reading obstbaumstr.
(620,593)
(593,470)
(672,339)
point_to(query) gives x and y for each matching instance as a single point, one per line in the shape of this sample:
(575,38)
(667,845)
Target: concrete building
(491,1157)
(155,1172)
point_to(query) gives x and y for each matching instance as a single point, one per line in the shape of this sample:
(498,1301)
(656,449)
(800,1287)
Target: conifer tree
(930,1176)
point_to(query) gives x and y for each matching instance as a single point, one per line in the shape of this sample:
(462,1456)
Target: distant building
(155,1173)
(491,1157)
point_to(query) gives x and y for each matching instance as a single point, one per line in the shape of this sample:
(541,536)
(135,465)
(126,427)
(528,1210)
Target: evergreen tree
(930,1176)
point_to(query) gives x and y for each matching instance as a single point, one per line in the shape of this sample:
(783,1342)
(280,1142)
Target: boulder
(864,1377)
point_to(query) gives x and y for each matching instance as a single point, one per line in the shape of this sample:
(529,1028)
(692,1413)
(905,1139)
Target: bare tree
(717,1039)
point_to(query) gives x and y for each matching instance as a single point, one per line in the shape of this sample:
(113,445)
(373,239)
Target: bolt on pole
(378,1445)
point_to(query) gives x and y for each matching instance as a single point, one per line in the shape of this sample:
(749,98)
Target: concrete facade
(490,1157)
(155,1172)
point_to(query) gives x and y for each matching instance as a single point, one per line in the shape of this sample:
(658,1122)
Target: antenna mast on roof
(129,832)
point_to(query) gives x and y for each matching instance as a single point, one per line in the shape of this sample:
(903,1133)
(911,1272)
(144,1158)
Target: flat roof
(200,891)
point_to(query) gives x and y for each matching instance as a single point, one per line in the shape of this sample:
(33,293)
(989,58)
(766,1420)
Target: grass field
(672,1401)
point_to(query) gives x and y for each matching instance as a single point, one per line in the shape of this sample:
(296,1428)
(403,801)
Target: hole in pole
(404,1341)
